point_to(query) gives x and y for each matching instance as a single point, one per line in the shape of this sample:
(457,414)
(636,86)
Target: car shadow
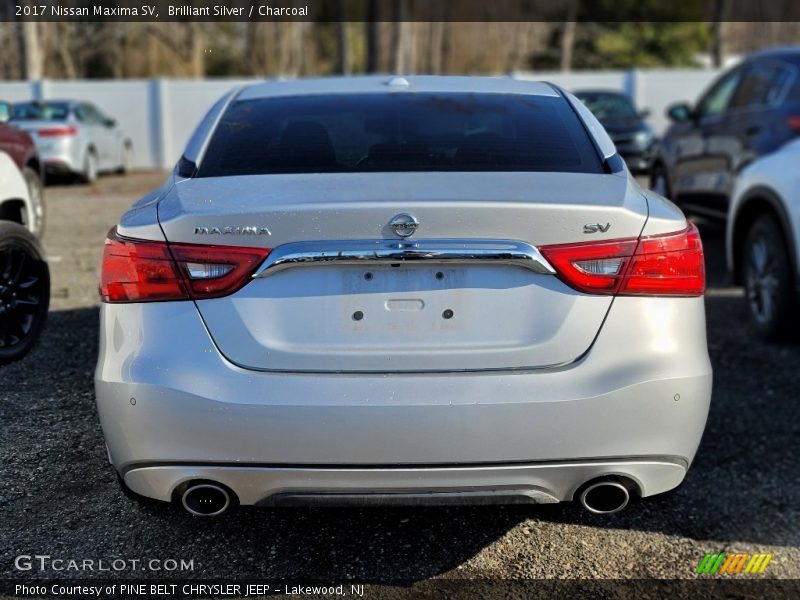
(742,487)
(75,504)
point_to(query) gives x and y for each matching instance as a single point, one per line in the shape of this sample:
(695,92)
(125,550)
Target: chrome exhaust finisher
(206,500)
(605,497)
(370,252)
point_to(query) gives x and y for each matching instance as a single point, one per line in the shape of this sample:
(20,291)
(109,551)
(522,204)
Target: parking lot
(59,496)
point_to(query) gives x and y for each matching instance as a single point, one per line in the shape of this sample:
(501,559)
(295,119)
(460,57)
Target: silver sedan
(75,137)
(404,290)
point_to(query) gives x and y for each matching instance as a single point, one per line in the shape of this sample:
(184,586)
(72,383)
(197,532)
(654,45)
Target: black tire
(90,168)
(24,291)
(768,280)
(35,216)
(659,181)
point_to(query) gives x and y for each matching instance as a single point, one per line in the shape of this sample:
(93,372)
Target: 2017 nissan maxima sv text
(429,320)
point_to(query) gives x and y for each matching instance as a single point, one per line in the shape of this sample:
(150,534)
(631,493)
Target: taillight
(659,265)
(214,271)
(57,131)
(145,271)
(793,122)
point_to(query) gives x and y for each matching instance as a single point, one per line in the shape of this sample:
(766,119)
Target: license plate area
(422,317)
(402,300)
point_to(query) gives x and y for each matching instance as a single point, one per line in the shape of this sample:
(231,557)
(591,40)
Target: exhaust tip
(206,500)
(605,497)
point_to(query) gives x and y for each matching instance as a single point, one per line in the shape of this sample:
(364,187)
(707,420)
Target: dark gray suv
(751,110)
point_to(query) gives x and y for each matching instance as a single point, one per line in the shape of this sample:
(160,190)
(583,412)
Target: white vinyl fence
(160,114)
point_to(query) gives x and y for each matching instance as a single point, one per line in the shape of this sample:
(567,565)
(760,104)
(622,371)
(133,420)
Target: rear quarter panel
(12,185)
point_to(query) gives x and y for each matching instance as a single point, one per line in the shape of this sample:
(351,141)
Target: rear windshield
(39,111)
(608,107)
(399,132)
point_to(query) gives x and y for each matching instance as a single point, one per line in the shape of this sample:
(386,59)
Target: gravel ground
(59,496)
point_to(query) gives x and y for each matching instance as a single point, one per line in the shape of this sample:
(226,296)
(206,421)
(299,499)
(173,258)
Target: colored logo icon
(733,563)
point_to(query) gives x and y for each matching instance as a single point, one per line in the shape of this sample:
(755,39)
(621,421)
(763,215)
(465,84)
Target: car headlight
(643,137)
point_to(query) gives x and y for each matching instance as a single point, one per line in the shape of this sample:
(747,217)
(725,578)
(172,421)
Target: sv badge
(595,227)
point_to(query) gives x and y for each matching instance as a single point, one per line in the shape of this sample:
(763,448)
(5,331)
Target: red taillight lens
(592,267)
(667,265)
(793,122)
(662,265)
(145,271)
(57,131)
(138,271)
(214,271)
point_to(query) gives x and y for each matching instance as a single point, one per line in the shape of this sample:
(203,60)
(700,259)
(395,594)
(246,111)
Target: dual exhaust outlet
(605,496)
(206,499)
(601,497)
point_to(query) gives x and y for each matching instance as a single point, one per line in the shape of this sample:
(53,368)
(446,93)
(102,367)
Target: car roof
(786,53)
(599,92)
(395,84)
(52,101)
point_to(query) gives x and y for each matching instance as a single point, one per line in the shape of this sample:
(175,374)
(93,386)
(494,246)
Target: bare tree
(436,48)
(344,48)
(187,48)
(401,37)
(568,35)
(717,33)
(251,48)
(32,55)
(196,48)
(373,38)
(63,35)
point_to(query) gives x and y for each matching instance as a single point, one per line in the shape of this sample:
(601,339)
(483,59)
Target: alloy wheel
(762,282)
(33,218)
(90,168)
(23,295)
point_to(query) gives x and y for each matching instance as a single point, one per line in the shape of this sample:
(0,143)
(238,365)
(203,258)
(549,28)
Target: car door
(91,129)
(110,140)
(704,149)
(12,142)
(757,114)
(98,134)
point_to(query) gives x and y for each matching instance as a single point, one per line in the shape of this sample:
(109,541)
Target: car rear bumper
(533,483)
(60,165)
(173,409)
(60,158)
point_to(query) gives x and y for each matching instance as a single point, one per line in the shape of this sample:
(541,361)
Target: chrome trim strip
(370,252)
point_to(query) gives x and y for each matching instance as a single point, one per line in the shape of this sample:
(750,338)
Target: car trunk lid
(433,313)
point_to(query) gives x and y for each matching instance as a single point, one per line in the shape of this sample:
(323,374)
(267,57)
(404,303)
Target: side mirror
(644,113)
(6,112)
(680,112)
(110,123)
(186,168)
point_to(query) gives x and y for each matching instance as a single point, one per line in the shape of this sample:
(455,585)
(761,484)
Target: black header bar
(399,10)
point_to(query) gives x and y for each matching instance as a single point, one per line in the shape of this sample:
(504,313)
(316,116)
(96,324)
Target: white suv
(763,240)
